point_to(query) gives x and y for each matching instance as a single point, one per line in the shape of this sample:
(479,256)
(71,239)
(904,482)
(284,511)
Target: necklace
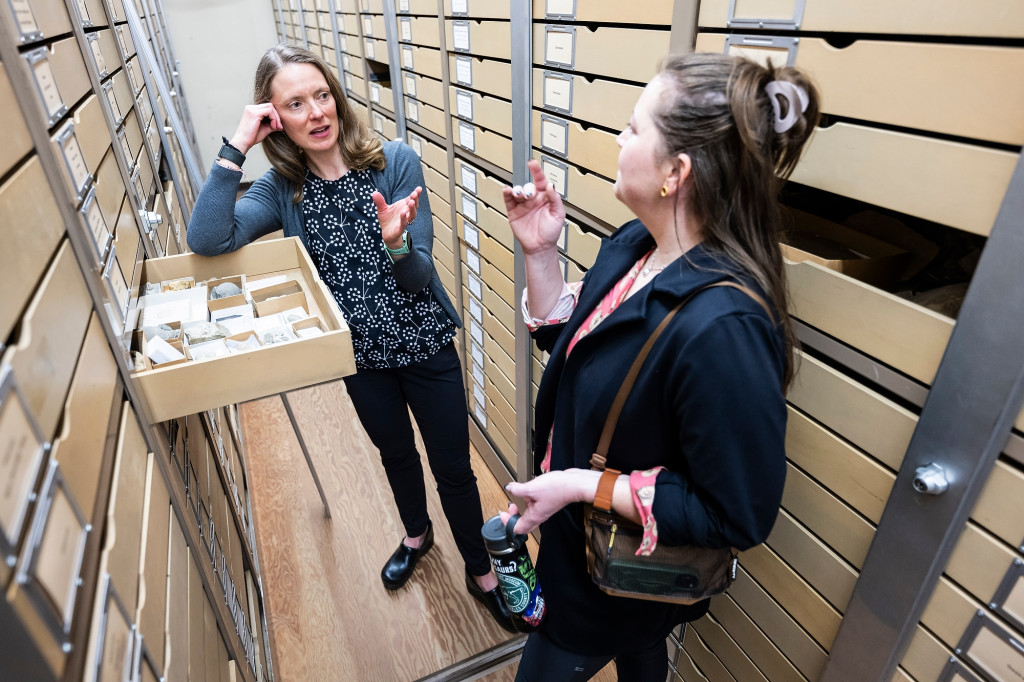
(648,268)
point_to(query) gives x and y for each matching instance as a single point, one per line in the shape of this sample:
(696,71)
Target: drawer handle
(931,480)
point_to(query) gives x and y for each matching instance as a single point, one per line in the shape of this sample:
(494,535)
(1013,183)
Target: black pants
(545,661)
(435,392)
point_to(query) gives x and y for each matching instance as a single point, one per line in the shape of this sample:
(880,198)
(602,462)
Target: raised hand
(258,121)
(395,218)
(542,497)
(537,219)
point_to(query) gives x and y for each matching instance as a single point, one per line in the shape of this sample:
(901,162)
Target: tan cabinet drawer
(587,191)
(482,38)
(438,184)
(605,11)
(581,246)
(990,18)
(375,49)
(372,6)
(490,221)
(348,23)
(430,153)
(492,277)
(373,25)
(576,48)
(424,31)
(951,183)
(425,115)
(92,132)
(480,184)
(69,70)
(32,229)
(425,61)
(383,125)
(153,569)
(427,90)
(361,112)
(589,148)
(382,96)
(51,17)
(104,52)
(485,75)
(355,86)
(477,9)
(17,142)
(602,102)
(952,89)
(351,45)
(486,144)
(489,112)
(899,333)
(50,338)
(416,7)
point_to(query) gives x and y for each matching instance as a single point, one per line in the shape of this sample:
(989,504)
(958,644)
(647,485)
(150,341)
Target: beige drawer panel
(430,153)
(497,254)
(998,507)
(771,662)
(501,309)
(486,144)
(17,142)
(857,479)
(427,90)
(581,246)
(503,336)
(816,563)
(81,444)
(481,38)
(925,658)
(829,517)
(447,278)
(375,49)
(979,562)
(900,84)
(69,70)
(955,184)
(104,52)
(493,278)
(589,192)
(704,658)
(427,116)
(425,61)
(350,44)
(361,112)
(635,55)
(492,222)
(123,91)
(124,515)
(438,184)
(795,595)
(899,333)
(878,426)
(51,17)
(371,6)
(355,86)
(497,424)
(127,236)
(480,184)
(440,210)
(606,11)
(490,112)
(50,339)
(423,31)
(32,229)
(383,125)
(504,409)
(153,569)
(416,7)
(478,9)
(353,64)
(110,189)
(92,132)
(949,612)
(485,75)
(443,234)
(476,261)
(726,650)
(785,632)
(990,18)
(348,6)
(589,148)
(442,254)
(382,96)
(97,14)
(373,25)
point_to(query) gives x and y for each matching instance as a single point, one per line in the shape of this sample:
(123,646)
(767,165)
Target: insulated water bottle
(516,575)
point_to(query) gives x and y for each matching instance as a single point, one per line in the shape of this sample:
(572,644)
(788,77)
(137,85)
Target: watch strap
(229,153)
(403,249)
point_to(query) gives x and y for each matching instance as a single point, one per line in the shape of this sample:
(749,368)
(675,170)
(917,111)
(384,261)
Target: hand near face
(258,121)
(395,218)
(537,219)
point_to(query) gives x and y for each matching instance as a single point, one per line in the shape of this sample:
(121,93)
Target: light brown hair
(716,110)
(359,148)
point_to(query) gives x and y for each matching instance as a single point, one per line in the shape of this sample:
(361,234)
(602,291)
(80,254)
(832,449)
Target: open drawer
(196,386)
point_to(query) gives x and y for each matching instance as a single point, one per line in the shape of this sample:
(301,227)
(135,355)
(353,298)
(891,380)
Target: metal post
(394,67)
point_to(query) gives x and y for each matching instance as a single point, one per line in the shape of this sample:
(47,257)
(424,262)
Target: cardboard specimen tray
(191,387)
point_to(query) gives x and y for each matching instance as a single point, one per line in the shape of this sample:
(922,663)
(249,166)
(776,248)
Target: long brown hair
(359,148)
(717,111)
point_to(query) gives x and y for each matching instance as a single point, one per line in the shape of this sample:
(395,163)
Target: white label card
(369,48)
(97,57)
(477,311)
(403,6)
(460,35)
(467,136)
(464,71)
(374,93)
(97,227)
(417,145)
(117,285)
(120,39)
(407,57)
(344,43)
(469,208)
(478,371)
(346,62)
(410,84)
(561,8)
(75,162)
(60,555)
(559,47)
(475,286)
(469,179)
(464,104)
(378,123)
(23,15)
(556,174)
(405,24)
(473,261)
(477,353)
(558,93)
(368,26)
(553,136)
(348,81)
(47,87)
(478,393)
(480,414)
(472,235)
(460,6)
(122,137)
(476,332)
(412,110)
(112,101)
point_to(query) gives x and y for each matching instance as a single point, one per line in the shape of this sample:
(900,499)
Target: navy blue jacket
(708,405)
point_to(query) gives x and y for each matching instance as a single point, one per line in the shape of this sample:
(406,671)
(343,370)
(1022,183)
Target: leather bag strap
(598,459)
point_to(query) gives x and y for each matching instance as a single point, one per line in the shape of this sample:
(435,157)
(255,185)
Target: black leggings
(545,661)
(433,389)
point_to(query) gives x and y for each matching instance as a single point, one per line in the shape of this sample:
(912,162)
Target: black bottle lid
(499,537)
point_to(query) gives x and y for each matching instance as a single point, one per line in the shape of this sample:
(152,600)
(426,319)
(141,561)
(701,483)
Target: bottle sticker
(464,71)
(468,179)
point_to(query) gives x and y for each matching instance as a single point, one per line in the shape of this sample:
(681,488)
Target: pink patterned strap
(641,486)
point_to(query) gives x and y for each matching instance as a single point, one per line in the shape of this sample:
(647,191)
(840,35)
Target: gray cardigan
(219,224)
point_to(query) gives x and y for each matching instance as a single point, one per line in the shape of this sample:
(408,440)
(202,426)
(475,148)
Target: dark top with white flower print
(391,327)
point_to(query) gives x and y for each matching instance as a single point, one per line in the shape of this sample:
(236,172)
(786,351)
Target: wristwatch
(228,152)
(403,249)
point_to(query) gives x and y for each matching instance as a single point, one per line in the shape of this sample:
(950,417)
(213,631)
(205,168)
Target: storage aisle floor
(330,619)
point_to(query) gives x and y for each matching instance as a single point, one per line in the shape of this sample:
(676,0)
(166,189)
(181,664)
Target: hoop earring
(664,191)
